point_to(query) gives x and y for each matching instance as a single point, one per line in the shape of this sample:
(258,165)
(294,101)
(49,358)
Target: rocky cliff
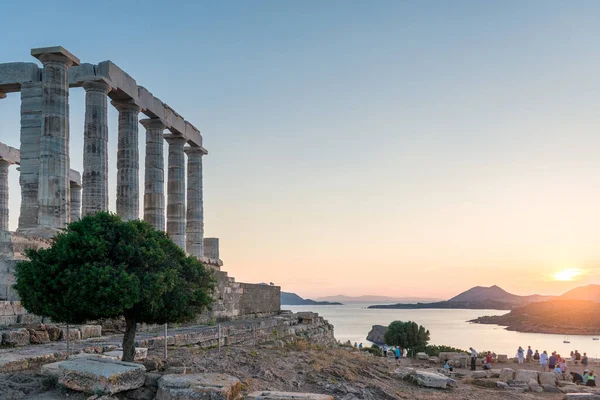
(377,334)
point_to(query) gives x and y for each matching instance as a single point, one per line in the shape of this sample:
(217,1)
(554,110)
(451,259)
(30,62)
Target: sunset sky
(401,148)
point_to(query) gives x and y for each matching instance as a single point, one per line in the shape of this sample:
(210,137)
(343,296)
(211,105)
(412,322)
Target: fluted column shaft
(176,190)
(195,208)
(54,160)
(31,133)
(95,148)
(4,195)
(128,190)
(75,202)
(154,175)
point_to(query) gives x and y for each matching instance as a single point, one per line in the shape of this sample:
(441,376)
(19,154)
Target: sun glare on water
(567,274)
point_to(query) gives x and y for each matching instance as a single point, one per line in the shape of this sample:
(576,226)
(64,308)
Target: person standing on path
(529,354)
(584,361)
(473,358)
(397,354)
(520,354)
(544,361)
(552,361)
(385,350)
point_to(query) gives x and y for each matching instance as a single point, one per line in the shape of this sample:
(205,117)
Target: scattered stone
(54,333)
(526,375)
(534,386)
(140,353)
(422,356)
(502,385)
(550,388)
(427,378)
(287,396)
(89,331)
(479,374)
(142,393)
(152,364)
(19,337)
(38,336)
(502,358)
(564,383)
(570,389)
(434,360)
(507,374)
(97,375)
(547,378)
(198,386)
(152,379)
(29,319)
(582,396)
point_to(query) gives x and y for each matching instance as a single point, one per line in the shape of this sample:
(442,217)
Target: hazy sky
(398,148)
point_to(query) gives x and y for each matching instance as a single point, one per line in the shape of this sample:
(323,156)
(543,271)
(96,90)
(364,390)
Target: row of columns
(49,201)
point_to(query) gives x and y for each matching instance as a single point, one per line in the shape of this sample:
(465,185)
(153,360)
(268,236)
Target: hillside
(589,292)
(495,293)
(560,316)
(375,299)
(292,299)
(468,305)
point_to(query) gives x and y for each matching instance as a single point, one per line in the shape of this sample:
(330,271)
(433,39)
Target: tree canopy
(408,335)
(101,267)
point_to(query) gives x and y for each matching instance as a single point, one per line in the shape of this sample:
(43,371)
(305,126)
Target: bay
(448,327)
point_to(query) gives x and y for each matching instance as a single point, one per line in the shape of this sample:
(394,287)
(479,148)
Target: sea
(448,327)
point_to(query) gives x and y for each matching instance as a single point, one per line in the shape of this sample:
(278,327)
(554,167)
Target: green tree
(101,267)
(407,335)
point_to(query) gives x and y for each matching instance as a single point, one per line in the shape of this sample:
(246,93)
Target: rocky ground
(342,372)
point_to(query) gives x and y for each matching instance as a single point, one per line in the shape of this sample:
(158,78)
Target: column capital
(152,123)
(55,53)
(126,105)
(193,150)
(174,139)
(97,83)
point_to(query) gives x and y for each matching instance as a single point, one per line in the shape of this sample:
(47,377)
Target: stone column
(31,133)
(211,248)
(4,195)
(75,202)
(195,209)
(176,190)
(154,177)
(128,189)
(95,148)
(53,183)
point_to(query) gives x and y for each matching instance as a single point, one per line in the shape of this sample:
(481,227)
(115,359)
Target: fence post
(68,343)
(219,337)
(166,354)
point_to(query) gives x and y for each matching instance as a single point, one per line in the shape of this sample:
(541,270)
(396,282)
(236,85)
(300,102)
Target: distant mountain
(495,293)
(589,292)
(477,298)
(374,299)
(292,299)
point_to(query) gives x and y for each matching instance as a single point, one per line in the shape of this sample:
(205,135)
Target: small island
(292,299)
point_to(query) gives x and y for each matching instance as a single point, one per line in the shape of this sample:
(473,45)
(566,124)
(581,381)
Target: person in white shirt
(473,358)
(544,361)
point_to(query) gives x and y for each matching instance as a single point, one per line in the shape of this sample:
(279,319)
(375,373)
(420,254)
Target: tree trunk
(129,340)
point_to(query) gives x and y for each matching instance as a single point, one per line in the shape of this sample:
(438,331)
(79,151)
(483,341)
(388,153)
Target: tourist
(552,361)
(577,378)
(473,358)
(562,364)
(584,360)
(488,361)
(360,346)
(586,375)
(572,356)
(447,365)
(385,350)
(557,370)
(544,361)
(591,381)
(397,354)
(577,357)
(529,354)
(521,354)
(536,356)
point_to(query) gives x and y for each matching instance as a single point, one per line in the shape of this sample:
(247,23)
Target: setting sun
(567,274)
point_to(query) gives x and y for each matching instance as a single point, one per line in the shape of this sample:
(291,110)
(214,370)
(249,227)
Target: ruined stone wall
(259,299)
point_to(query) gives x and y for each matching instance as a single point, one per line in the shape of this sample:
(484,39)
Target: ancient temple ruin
(52,194)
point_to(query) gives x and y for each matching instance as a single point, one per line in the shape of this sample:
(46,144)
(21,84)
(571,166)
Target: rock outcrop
(198,386)
(377,334)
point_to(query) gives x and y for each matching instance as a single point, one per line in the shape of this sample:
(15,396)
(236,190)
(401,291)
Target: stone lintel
(59,51)
(74,177)
(13,75)
(10,154)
